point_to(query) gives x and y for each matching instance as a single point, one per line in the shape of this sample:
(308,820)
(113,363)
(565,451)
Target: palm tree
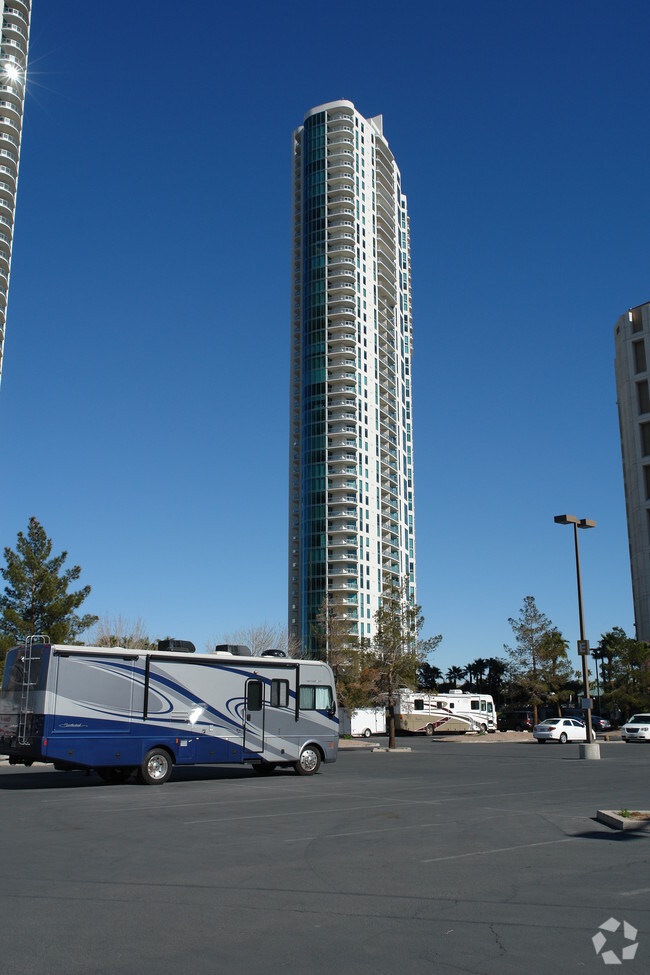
(480,666)
(496,669)
(428,677)
(469,671)
(454,674)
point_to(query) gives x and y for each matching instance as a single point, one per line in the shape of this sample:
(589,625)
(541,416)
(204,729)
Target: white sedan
(637,728)
(560,729)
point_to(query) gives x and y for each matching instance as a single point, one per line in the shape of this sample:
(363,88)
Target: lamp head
(565,520)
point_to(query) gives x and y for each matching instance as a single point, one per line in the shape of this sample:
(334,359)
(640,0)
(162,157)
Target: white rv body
(93,707)
(460,711)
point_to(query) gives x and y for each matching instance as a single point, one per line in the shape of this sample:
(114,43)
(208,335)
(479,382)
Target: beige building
(351,495)
(632,342)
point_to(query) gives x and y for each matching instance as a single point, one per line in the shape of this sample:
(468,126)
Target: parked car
(516,721)
(598,723)
(637,728)
(560,729)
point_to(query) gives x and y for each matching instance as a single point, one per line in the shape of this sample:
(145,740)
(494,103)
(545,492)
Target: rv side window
(483,706)
(475,705)
(254,695)
(279,693)
(418,704)
(314,698)
(490,708)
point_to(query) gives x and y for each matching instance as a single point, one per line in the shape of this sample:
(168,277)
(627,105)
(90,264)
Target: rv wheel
(429,729)
(309,761)
(156,768)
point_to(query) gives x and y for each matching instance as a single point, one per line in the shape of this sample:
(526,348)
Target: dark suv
(598,723)
(516,721)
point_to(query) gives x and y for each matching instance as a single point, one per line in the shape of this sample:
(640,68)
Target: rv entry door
(254,716)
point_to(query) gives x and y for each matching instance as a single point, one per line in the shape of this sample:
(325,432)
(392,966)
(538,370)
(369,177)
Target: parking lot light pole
(581,523)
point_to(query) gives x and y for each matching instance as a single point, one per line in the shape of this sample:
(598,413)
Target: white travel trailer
(362,722)
(119,711)
(454,711)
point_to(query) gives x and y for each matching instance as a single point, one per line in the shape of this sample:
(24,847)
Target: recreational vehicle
(119,711)
(454,711)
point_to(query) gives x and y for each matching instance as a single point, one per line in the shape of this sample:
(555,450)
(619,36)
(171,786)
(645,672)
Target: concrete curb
(613,819)
(352,744)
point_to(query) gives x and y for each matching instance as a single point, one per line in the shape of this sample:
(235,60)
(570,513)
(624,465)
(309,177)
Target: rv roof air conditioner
(176,646)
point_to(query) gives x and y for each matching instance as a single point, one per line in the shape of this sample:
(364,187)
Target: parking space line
(503,849)
(243,819)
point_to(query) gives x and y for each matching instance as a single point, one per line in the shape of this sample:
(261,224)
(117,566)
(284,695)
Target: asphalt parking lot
(484,860)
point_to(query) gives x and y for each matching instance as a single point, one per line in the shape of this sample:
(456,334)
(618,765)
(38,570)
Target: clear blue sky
(144,401)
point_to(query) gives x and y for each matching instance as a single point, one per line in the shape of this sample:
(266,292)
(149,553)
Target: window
(646,475)
(643,396)
(639,356)
(475,705)
(279,693)
(645,439)
(254,696)
(418,704)
(314,698)
(483,705)
(16,677)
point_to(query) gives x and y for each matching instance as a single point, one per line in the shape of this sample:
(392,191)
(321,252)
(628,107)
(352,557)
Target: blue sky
(144,400)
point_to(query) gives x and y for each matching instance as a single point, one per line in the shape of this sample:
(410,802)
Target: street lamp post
(584,648)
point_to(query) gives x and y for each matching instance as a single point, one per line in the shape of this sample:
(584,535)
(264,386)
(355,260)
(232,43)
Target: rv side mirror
(331,711)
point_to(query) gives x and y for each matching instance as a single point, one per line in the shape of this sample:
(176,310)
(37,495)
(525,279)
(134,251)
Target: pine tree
(397,652)
(530,630)
(36,597)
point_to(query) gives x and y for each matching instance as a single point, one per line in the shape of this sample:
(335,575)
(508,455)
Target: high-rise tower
(351,520)
(14,39)
(632,343)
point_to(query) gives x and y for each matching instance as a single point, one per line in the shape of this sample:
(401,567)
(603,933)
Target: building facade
(632,343)
(351,511)
(14,41)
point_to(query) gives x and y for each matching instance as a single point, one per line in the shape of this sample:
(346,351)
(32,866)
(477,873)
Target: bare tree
(259,637)
(115,631)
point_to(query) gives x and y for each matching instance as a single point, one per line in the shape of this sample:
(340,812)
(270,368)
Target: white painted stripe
(503,849)
(301,812)
(363,832)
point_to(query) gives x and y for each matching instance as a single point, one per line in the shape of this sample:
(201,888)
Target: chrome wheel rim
(157,766)
(309,760)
